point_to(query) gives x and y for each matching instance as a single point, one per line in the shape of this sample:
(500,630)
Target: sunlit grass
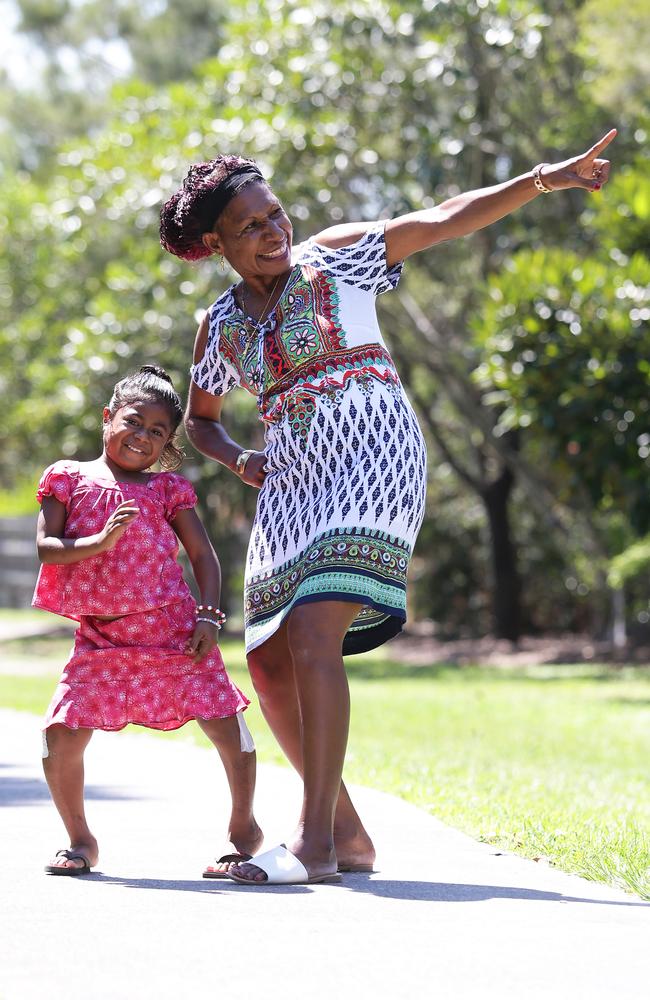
(550,762)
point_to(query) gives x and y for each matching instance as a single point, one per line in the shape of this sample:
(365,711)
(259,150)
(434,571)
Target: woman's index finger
(603,143)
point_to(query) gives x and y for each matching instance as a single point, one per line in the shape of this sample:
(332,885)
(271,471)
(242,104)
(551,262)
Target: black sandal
(235,859)
(63,869)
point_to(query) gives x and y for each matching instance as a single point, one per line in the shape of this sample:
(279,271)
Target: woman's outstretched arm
(466,213)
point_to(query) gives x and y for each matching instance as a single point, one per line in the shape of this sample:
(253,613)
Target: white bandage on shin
(45,750)
(246,743)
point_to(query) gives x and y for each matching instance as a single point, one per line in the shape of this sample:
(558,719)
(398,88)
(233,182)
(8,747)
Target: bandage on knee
(246,742)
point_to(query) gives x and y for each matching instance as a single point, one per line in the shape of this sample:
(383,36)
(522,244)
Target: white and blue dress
(343,500)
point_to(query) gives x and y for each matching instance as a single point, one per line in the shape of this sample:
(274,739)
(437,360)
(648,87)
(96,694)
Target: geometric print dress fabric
(343,500)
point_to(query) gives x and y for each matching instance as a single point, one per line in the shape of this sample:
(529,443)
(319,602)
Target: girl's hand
(255,471)
(122,517)
(203,641)
(587,171)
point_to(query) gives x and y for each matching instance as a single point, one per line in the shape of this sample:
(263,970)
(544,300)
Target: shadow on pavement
(431,892)
(23,791)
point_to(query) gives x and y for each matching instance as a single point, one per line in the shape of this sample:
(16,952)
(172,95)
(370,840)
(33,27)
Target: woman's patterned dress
(344,497)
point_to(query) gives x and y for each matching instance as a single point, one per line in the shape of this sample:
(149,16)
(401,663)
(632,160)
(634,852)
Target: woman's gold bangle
(537,178)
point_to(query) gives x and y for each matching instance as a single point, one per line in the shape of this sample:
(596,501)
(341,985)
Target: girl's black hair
(152,383)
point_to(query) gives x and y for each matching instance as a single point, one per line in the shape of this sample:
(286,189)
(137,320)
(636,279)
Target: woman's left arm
(207,573)
(465,213)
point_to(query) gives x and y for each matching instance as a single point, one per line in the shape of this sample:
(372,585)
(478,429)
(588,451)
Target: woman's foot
(354,850)
(318,862)
(242,843)
(77,858)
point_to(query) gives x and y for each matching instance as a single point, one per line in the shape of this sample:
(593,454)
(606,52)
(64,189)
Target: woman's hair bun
(157,371)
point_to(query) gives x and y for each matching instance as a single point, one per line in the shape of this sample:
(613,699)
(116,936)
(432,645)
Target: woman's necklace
(257,325)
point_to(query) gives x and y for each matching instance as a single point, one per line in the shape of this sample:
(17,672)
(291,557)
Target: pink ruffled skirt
(134,670)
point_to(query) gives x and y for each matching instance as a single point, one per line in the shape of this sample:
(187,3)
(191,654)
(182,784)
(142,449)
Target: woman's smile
(279,252)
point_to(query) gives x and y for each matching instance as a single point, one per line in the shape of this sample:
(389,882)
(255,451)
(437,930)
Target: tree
(304,90)
(572,372)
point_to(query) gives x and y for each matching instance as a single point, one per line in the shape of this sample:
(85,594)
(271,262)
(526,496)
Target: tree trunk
(505,588)
(618,627)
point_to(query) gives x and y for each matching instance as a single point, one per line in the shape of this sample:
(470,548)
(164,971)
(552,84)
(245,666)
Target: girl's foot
(78,857)
(242,844)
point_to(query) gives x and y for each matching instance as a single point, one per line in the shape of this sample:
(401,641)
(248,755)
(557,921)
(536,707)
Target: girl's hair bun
(157,371)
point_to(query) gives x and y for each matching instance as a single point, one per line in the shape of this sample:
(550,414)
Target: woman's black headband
(215,201)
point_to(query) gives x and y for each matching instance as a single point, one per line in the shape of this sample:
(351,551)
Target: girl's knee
(59,741)
(229,734)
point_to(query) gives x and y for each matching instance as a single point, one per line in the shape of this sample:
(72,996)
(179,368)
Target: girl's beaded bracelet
(215,611)
(210,621)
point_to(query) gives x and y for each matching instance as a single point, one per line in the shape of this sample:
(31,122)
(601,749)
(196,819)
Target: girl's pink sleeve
(56,481)
(180,496)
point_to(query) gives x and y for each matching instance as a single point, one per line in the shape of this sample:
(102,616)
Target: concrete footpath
(443,916)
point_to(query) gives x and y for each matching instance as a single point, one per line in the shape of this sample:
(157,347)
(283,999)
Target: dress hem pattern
(355,564)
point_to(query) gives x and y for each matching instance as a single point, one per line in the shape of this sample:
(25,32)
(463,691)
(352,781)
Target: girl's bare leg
(315,633)
(64,773)
(272,673)
(244,836)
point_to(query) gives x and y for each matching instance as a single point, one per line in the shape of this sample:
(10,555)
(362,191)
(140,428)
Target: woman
(342,475)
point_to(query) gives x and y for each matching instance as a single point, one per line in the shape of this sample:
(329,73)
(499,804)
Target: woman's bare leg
(315,635)
(244,835)
(272,672)
(64,773)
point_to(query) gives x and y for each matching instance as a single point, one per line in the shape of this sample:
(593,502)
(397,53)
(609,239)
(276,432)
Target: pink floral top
(141,571)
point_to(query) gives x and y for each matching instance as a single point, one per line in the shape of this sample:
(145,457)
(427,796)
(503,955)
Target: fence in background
(18,561)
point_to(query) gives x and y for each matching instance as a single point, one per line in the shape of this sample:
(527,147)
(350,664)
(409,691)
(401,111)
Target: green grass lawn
(28,614)
(549,762)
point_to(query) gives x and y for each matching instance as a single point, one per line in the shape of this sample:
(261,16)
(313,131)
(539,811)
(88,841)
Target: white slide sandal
(282,868)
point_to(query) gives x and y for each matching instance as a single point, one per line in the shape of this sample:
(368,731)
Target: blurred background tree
(357,110)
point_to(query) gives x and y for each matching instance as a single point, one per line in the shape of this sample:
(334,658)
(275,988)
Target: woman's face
(253,233)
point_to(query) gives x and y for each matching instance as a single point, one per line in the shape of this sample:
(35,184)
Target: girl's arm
(207,573)
(204,427)
(466,213)
(52,547)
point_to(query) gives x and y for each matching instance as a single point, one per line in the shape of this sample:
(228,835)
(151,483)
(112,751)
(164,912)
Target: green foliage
(629,564)
(19,501)
(616,47)
(622,218)
(355,109)
(566,350)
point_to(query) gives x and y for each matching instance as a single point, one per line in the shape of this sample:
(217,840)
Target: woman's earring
(222,263)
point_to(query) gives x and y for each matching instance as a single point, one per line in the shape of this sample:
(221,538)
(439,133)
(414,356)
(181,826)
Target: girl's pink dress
(133,669)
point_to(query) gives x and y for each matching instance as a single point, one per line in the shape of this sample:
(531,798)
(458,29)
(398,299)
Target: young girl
(144,653)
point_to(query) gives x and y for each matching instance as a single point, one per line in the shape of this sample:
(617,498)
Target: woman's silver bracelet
(242,459)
